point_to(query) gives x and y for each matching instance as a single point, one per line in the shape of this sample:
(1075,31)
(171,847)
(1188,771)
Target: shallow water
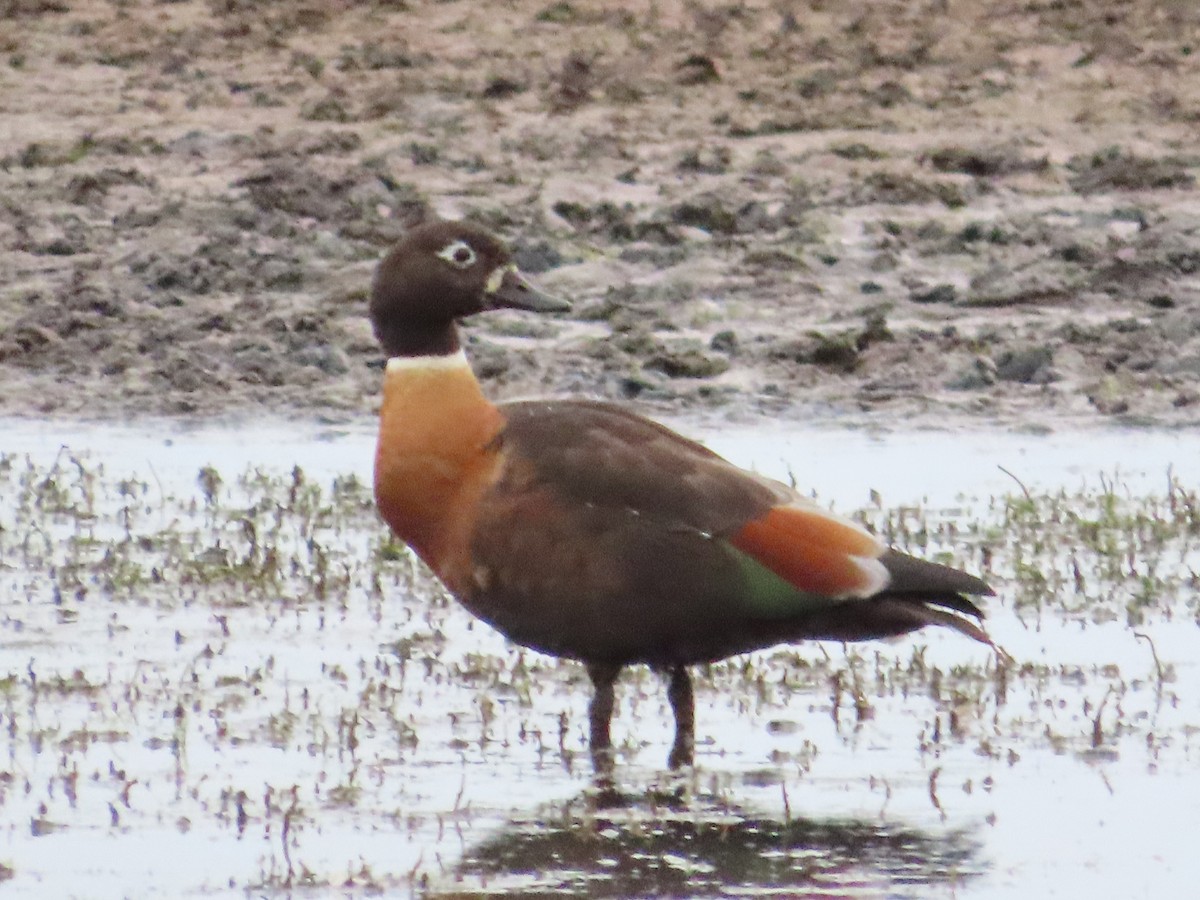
(248,694)
(842,466)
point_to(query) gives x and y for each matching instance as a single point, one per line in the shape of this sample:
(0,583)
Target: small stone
(1028,366)
(324,357)
(688,364)
(536,257)
(981,373)
(875,330)
(724,342)
(632,386)
(834,353)
(60,246)
(502,87)
(698,69)
(939,293)
(707,213)
(706,159)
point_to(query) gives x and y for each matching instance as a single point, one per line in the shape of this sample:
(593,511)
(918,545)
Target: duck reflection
(706,849)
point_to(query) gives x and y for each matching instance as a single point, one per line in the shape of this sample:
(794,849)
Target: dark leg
(683,703)
(600,715)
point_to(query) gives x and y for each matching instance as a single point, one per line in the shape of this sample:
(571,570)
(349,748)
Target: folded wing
(596,454)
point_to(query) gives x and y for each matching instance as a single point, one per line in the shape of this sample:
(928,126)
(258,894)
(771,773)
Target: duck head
(441,272)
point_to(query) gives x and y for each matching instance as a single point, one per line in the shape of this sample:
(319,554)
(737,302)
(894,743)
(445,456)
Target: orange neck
(433,459)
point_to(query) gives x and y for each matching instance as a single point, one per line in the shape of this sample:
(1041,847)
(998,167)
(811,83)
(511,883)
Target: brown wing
(599,453)
(630,539)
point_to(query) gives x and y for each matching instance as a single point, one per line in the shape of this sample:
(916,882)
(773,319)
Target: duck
(585,531)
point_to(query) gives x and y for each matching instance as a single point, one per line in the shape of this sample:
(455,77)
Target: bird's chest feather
(434,458)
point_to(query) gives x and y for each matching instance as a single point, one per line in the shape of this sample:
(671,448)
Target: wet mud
(854,212)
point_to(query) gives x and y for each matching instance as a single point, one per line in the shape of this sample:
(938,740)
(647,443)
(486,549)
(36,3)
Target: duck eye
(459,254)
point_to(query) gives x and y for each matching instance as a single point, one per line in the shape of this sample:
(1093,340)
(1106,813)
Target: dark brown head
(438,273)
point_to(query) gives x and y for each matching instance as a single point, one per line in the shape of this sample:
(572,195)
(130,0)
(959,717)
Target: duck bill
(509,289)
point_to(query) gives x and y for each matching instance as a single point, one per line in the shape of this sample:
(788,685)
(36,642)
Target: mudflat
(929,212)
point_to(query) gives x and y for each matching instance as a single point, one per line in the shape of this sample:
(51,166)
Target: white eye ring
(459,254)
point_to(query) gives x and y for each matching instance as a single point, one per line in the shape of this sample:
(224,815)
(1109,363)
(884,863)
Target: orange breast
(434,458)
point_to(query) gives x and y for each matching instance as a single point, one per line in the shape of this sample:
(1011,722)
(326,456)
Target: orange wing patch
(816,551)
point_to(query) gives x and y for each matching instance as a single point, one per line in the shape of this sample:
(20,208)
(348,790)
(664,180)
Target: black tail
(929,585)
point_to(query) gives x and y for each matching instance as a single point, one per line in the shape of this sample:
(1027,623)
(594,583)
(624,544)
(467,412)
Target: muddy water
(183,718)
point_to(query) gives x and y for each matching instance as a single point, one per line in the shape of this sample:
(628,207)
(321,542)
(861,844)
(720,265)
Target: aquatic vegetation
(257,665)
